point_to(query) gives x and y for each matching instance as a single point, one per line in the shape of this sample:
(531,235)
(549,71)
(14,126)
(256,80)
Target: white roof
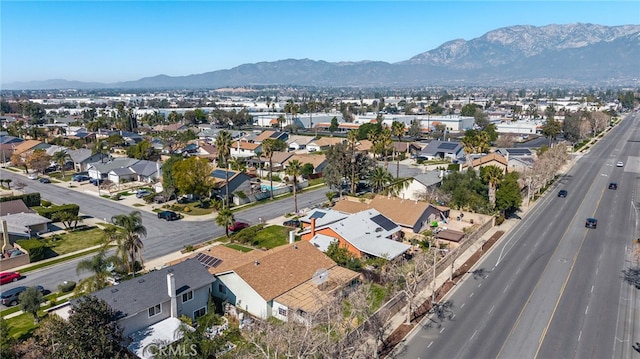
(165,332)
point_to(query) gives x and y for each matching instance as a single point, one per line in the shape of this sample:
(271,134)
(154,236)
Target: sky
(112,41)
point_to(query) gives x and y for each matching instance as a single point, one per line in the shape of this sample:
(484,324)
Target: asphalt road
(162,237)
(553,288)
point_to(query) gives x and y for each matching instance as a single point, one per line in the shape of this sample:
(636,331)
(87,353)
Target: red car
(8,277)
(238,226)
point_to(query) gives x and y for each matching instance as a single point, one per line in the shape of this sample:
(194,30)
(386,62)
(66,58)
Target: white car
(32,176)
(619,164)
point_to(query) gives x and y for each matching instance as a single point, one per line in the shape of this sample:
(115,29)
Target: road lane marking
(580,335)
(442,330)
(462,306)
(505,289)
(591,289)
(471,295)
(491,310)
(430,344)
(474,334)
(479,285)
(586,310)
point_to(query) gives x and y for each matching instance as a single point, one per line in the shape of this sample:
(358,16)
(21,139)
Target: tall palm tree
(379,178)
(385,144)
(469,145)
(60,158)
(224,219)
(281,120)
(130,242)
(397,129)
(493,176)
(223,143)
(269,146)
(99,266)
(352,143)
(294,169)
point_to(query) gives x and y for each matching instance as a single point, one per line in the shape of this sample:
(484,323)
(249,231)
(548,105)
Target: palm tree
(469,145)
(385,144)
(352,143)
(61,158)
(223,143)
(492,175)
(281,120)
(99,266)
(397,129)
(224,219)
(294,169)
(379,178)
(269,146)
(130,242)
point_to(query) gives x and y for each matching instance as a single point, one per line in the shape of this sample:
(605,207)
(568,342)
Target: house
(274,135)
(244,149)
(411,215)
(82,157)
(518,159)
(285,282)
(148,307)
(25,224)
(323,143)
(318,161)
(237,182)
(437,149)
(25,149)
(365,234)
(208,151)
(492,159)
(297,142)
(422,184)
(121,169)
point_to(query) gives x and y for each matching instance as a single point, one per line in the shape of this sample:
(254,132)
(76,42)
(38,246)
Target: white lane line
(505,289)
(430,344)
(591,289)
(453,316)
(586,310)
(474,334)
(580,335)
(442,330)
(479,285)
(518,271)
(491,310)
(471,295)
(462,306)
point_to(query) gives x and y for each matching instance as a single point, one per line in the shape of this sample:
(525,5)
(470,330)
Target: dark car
(8,277)
(613,186)
(292,223)
(11,296)
(591,223)
(142,193)
(80,178)
(44,180)
(238,226)
(168,215)
(96,181)
(563,193)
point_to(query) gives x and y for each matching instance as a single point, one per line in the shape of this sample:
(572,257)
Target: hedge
(35,248)
(30,199)
(49,212)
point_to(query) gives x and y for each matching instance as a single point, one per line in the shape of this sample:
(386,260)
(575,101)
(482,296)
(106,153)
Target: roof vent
(295,246)
(256,262)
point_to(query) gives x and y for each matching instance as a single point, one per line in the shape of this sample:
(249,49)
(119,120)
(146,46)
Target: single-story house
(437,149)
(492,159)
(121,169)
(421,184)
(238,182)
(319,161)
(244,149)
(323,143)
(82,157)
(297,142)
(275,135)
(25,224)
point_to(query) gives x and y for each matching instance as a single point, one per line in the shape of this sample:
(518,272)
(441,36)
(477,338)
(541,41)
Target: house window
(200,312)
(222,289)
(282,311)
(155,310)
(187,296)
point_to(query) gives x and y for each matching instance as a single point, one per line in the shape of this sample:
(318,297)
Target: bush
(186,209)
(50,212)
(45,203)
(116,197)
(34,247)
(66,286)
(30,199)
(499,219)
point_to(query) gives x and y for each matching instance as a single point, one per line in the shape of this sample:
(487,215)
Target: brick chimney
(313,227)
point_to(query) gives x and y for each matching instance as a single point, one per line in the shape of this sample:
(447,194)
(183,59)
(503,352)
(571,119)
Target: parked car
(96,181)
(292,223)
(80,178)
(12,296)
(563,193)
(591,223)
(162,198)
(44,180)
(142,193)
(620,164)
(168,215)
(8,277)
(613,186)
(32,176)
(237,226)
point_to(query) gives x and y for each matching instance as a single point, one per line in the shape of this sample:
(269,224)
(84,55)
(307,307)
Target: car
(591,223)
(32,176)
(12,296)
(8,277)
(142,193)
(237,226)
(292,223)
(80,178)
(44,180)
(96,181)
(562,193)
(168,215)
(620,164)
(613,186)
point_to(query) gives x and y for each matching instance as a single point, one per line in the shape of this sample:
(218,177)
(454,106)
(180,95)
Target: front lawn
(238,247)
(76,240)
(271,237)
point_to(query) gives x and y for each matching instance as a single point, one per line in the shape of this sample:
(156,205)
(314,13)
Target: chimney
(171,290)
(313,227)
(292,236)
(5,237)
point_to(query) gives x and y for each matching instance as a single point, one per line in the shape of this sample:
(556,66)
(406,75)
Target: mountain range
(554,55)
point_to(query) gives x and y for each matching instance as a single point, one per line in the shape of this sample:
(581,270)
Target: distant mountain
(574,54)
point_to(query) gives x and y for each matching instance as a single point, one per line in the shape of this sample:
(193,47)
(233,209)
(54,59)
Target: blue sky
(124,40)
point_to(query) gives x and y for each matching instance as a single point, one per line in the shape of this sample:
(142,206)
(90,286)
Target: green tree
(168,181)
(294,169)
(142,151)
(6,341)
(98,265)
(343,257)
(379,178)
(130,244)
(223,143)
(38,160)
(508,196)
(269,147)
(415,129)
(492,175)
(61,158)
(468,110)
(333,127)
(551,129)
(30,301)
(225,218)
(481,119)
(193,176)
(397,129)
(307,170)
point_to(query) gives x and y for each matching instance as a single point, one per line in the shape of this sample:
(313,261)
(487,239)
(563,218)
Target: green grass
(138,205)
(39,265)
(316,182)
(378,293)
(57,175)
(12,169)
(238,247)
(272,236)
(77,240)
(22,325)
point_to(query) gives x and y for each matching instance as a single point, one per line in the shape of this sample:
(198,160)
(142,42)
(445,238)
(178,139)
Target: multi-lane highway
(553,288)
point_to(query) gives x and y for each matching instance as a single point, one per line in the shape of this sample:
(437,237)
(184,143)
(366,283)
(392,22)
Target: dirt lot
(426,309)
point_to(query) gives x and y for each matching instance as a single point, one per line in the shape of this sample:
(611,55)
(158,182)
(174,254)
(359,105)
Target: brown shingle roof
(450,235)
(13,207)
(492,157)
(328,141)
(264,135)
(401,211)
(315,160)
(26,146)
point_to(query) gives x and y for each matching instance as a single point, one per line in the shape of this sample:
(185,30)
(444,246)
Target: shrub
(35,248)
(116,197)
(30,199)
(50,212)
(186,209)
(188,248)
(66,286)
(499,219)
(45,203)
